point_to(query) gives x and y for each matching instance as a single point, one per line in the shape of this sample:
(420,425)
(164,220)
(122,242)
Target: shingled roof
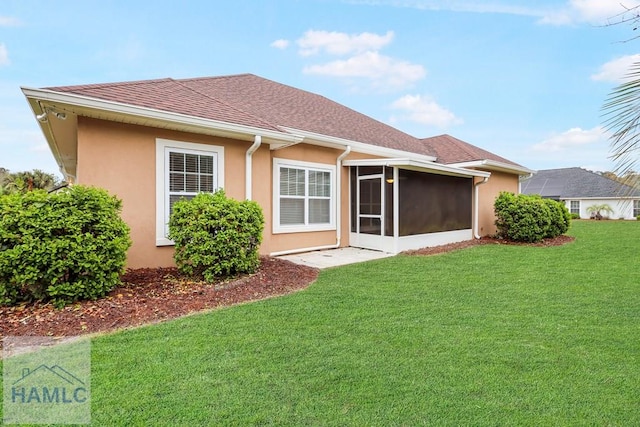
(575,183)
(453,150)
(246,99)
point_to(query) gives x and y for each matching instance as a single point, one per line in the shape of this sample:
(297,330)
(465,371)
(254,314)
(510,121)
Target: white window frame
(163,148)
(571,210)
(307,166)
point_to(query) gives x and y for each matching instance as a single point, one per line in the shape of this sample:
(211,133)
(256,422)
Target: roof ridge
(206,95)
(464,146)
(191,79)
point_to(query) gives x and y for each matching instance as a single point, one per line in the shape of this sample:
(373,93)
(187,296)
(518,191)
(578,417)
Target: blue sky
(525,80)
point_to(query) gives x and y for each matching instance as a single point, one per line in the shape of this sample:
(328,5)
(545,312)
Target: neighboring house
(325,175)
(579,189)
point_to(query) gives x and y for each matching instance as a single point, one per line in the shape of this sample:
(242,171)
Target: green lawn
(492,335)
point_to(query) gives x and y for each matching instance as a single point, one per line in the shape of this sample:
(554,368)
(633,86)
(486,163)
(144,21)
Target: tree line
(22,182)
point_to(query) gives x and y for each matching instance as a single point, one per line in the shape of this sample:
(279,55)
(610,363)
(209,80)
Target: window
(574,207)
(183,169)
(636,208)
(303,196)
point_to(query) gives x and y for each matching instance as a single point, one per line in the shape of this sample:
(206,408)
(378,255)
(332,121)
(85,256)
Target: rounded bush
(529,218)
(560,218)
(216,236)
(61,247)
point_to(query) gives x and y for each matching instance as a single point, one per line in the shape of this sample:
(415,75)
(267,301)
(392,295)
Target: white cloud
(280,44)
(4,55)
(469,6)
(616,70)
(8,21)
(591,11)
(423,110)
(572,12)
(336,43)
(382,71)
(572,139)
(598,10)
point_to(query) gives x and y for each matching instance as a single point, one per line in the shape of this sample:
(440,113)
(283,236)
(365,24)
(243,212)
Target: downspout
(476,203)
(339,193)
(248,177)
(339,160)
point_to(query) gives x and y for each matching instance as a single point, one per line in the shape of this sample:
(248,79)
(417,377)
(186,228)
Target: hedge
(530,218)
(61,247)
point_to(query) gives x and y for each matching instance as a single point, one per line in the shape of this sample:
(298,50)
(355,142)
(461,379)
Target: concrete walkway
(334,257)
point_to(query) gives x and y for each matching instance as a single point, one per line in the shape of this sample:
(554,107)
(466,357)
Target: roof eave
(360,147)
(196,124)
(495,166)
(414,164)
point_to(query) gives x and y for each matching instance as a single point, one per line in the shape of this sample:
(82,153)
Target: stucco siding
(121,158)
(487,193)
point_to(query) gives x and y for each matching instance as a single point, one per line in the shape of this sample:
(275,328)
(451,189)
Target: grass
(492,335)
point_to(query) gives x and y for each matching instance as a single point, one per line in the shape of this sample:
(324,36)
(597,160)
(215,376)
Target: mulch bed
(150,295)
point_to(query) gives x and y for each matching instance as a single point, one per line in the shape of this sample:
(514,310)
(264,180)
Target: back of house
(325,175)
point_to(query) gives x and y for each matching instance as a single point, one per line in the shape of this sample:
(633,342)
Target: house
(325,175)
(579,189)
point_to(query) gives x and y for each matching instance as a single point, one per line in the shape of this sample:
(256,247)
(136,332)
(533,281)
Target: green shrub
(60,247)
(216,236)
(529,218)
(560,218)
(575,216)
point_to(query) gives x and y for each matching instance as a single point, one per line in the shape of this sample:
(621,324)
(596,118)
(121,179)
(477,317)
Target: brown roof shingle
(453,150)
(250,100)
(168,95)
(295,108)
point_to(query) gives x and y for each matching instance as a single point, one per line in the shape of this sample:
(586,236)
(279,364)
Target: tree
(630,178)
(597,211)
(21,182)
(622,106)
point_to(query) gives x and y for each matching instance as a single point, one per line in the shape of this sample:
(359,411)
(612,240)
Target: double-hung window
(304,197)
(636,208)
(183,170)
(575,207)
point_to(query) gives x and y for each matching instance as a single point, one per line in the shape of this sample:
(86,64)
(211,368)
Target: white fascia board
(492,164)
(600,198)
(416,164)
(65,166)
(46,95)
(360,147)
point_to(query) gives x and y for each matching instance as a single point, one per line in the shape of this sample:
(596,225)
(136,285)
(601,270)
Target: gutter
(341,157)
(74,101)
(476,209)
(248,177)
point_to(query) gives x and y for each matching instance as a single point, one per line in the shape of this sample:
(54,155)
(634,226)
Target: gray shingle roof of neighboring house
(575,183)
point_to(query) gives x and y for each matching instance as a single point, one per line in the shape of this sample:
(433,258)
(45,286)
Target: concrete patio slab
(334,257)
